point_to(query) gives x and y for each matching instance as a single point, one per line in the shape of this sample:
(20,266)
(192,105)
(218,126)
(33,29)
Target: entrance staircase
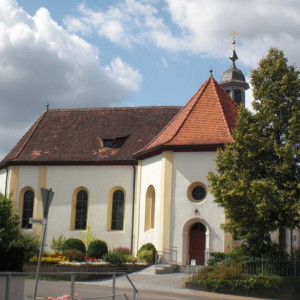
(166,261)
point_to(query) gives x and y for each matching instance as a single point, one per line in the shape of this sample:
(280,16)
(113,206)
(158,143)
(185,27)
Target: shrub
(216,257)
(73,243)
(9,221)
(125,250)
(13,258)
(73,255)
(97,248)
(30,243)
(148,247)
(57,244)
(147,256)
(115,257)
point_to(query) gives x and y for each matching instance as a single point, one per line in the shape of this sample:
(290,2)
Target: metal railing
(8,280)
(279,266)
(168,257)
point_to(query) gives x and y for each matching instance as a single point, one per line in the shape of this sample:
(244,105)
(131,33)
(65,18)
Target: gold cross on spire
(234,34)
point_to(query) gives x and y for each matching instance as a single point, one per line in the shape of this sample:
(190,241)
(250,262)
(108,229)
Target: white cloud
(199,26)
(41,62)
(125,74)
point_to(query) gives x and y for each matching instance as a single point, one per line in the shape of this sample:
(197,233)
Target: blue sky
(97,53)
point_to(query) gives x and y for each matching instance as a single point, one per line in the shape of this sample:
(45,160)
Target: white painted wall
(3,175)
(151,175)
(188,168)
(98,180)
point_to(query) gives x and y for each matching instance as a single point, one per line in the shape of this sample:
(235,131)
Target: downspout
(5,188)
(133,204)
(291,236)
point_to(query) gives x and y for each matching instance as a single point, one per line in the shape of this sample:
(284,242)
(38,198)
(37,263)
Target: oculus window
(197,192)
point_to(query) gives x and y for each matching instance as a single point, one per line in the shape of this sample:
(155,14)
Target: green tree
(9,221)
(257,178)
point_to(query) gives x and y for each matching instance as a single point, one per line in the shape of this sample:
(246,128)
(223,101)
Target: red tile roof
(76,135)
(207,119)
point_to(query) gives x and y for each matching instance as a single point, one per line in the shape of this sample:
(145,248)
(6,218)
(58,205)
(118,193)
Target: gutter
(133,205)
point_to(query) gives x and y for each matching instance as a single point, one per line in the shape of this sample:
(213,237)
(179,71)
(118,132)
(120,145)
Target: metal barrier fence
(7,284)
(256,266)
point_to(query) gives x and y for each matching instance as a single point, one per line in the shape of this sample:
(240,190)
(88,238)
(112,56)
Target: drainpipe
(5,188)
(291,242)
(133,203)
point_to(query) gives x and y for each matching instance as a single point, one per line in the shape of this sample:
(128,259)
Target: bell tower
(233,80)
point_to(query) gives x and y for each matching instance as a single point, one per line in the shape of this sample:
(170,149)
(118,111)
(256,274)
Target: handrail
(72,279)
(172,252)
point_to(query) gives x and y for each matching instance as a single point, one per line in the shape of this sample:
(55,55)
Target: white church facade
(134,175)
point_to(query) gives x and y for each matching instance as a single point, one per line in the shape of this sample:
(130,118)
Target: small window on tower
(238,96)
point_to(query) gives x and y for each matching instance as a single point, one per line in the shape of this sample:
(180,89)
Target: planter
(58,268)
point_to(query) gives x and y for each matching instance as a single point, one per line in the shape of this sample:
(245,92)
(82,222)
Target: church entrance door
(197,243)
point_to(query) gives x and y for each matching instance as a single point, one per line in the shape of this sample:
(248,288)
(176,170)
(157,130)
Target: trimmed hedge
(97,248)
(73,243)
(147,247)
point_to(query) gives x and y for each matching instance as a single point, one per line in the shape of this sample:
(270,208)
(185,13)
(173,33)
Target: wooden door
(197,243)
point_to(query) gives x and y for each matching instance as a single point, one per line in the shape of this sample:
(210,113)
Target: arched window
(150,208)
(117,216)
(28,200)
(81,210)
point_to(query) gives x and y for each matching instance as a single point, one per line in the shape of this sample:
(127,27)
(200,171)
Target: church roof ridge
(111,108)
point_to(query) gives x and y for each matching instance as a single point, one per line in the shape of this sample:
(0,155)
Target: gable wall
(188,168)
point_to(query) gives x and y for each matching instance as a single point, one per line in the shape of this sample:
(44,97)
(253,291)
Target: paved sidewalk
(148,280)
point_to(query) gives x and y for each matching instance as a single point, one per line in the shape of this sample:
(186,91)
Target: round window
(198,193)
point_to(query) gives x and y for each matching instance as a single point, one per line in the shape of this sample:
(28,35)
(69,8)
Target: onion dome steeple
(233,80)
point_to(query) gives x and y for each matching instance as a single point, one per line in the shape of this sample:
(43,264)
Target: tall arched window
(28,200)
(150,208)
(117,211)
(81,210)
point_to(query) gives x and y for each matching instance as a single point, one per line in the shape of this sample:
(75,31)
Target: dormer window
(108,143)
(116,142)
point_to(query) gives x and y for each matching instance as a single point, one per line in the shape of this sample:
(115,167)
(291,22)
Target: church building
(133,174)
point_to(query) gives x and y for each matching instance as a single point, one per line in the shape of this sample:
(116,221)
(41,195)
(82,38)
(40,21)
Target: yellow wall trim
(38,209)
(12,190)
(73,207)
(166,200)
(137,207)
(110,206)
